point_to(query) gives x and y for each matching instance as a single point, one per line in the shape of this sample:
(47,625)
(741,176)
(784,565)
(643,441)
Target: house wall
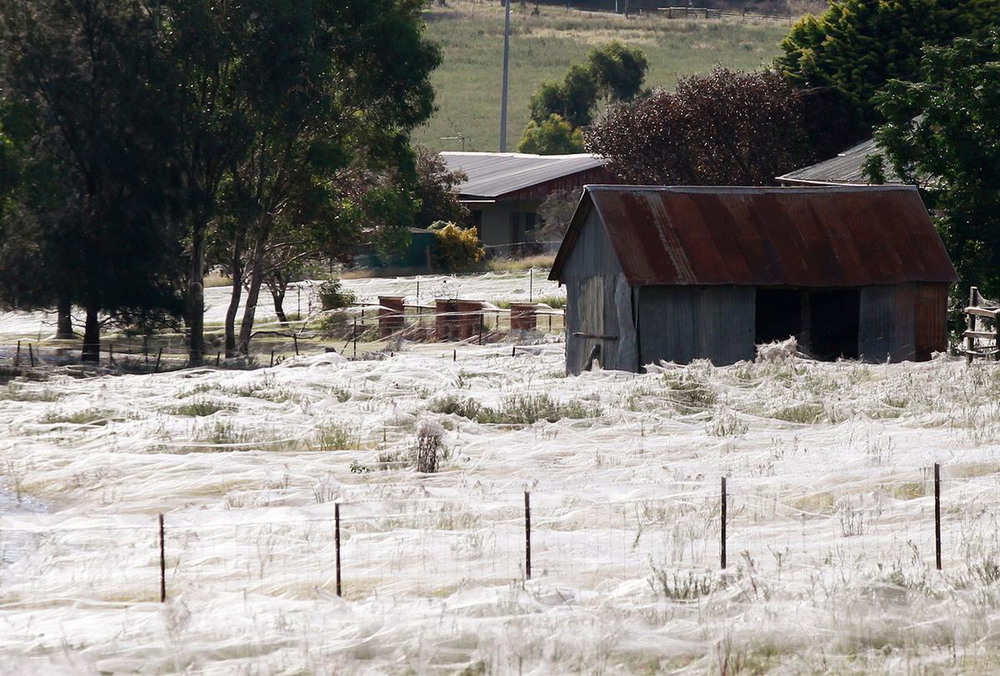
(906,322)
(682,323)
(504,222)
(599,304)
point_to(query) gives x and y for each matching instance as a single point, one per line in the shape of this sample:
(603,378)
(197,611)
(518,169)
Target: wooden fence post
(722,549)
(937,514)
(336,539)
(163,564)
(970,325)
(31,356)
(527,535)
(159,355)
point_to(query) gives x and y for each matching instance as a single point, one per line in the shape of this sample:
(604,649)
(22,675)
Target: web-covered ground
(830,531)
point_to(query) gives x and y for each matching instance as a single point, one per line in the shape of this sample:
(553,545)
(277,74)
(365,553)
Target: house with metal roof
(504,191)
(681,273)
(847,168)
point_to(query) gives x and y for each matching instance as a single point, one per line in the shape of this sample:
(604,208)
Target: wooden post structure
(31,356)
(163,564)
(159,355)
(722,549)
(970,324)
(295,339)
(527,535)
(937,514)
(17,355)
(336,540)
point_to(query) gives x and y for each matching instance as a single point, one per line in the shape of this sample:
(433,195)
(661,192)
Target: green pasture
(468,83)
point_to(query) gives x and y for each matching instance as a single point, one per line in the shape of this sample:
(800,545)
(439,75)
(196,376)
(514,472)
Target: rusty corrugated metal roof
(804,237)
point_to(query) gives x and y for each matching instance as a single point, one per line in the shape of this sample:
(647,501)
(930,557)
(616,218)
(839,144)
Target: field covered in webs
(830,528)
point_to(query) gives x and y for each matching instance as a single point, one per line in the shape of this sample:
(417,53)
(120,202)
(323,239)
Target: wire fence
(360,331)
(677,542)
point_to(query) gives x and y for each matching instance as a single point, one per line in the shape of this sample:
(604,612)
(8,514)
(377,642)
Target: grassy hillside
(542,47)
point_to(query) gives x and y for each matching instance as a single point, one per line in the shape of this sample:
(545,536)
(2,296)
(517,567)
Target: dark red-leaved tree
(725,128)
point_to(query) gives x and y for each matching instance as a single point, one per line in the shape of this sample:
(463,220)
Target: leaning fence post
(159,355)
(722,549)
(336,540)
(937,514)
(163,564)
(295,339)
(527,535)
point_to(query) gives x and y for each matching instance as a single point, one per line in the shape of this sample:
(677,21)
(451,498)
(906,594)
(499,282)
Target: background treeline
(141,142)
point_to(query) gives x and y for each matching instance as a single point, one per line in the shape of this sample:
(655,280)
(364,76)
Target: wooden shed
(681,273)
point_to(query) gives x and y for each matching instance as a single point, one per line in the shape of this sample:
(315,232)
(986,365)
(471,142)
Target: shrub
(429,445)
(457,248)
(333,296)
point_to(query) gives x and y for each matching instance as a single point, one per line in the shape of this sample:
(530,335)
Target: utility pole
(506,68)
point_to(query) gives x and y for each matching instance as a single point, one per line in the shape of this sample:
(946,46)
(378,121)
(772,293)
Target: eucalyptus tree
(80,84)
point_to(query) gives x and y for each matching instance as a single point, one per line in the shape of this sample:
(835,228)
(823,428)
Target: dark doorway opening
(779,315)
(833,323)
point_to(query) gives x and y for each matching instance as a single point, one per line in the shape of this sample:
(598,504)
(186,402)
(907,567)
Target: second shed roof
(804,237)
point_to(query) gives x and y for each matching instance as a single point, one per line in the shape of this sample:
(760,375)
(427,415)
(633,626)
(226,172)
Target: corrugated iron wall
(681,323)
(906,322)
(598,304)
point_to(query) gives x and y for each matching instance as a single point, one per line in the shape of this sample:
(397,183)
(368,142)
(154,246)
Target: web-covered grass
(830,546)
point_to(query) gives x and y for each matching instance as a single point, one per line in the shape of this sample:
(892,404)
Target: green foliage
(944,133)
(856,46)
(572,99)
(436,188)
(88,130)
(618,70)
(456,248)
(333,295)
(554,136)
(726,128)
(613,71)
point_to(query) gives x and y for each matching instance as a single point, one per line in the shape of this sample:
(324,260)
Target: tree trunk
(253,292)
(196,295)
(278,294)
(91,337)
(234,298)
(64,322)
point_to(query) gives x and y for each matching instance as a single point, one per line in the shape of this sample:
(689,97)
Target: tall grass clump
(522,409)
